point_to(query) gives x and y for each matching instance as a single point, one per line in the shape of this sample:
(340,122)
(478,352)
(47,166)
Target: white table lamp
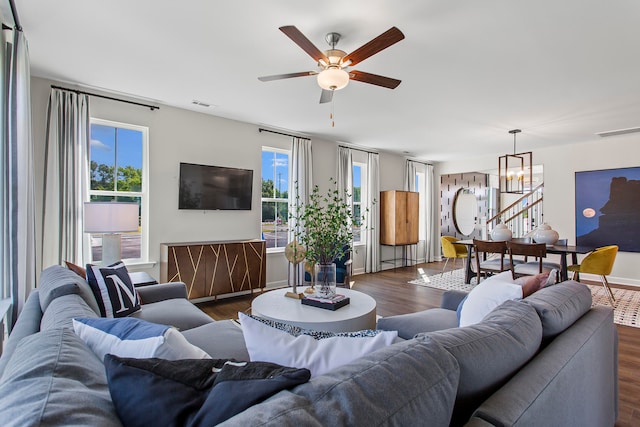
(110,219)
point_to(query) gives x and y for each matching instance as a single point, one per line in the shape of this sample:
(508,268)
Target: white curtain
(429,206)
(18,256)
(300,185)
(344,173)
(372,218)
(410,170)
(432,244)
(66,177)
(6,270)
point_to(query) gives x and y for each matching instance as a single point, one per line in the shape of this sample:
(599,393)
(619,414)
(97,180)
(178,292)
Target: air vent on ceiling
(201,103)
(618,132)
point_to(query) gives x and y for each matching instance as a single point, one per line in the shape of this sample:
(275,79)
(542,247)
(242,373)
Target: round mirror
(465,211)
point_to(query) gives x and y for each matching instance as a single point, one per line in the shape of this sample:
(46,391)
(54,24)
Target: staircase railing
(521,216)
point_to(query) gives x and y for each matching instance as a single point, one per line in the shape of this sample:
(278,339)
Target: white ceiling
(470,70)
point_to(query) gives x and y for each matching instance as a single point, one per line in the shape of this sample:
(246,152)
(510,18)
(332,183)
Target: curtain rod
(282,133)
(14,12)
(151,107)
(358,149)
(422,163)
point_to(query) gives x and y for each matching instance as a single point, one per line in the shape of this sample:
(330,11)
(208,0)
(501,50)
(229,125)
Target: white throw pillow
(486,296)
(136,338)
(320,352)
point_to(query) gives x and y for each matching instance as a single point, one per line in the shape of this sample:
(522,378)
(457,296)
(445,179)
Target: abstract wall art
(608,208)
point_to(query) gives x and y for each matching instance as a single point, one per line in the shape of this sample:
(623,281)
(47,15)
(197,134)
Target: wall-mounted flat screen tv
(205,187)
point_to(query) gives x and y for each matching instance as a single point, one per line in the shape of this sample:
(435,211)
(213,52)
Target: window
(275,197)
(118,172)
(357,200)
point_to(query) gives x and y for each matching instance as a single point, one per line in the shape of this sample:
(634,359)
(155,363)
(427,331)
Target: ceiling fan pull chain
(333,123)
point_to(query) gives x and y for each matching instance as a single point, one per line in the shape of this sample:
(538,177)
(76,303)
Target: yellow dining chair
(452,250)
(600,262)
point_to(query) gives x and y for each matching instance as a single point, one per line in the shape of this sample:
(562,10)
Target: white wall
(560,164)
(180,135)
(177,135)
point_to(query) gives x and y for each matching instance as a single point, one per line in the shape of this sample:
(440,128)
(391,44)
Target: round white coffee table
(359,314)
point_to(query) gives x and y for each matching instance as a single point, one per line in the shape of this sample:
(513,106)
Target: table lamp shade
(110,217)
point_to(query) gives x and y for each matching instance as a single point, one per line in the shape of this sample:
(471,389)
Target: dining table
(563,250)
(468,271)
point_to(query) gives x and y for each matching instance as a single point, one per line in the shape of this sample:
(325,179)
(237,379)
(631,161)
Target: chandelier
(515,170)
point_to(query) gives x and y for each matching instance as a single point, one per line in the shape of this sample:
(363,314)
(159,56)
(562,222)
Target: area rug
(626,311)
(450,280)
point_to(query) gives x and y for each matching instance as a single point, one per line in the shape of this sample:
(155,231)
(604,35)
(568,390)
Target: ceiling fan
(333,65)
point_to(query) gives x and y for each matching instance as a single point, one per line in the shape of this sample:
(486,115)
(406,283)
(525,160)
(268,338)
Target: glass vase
(325,280)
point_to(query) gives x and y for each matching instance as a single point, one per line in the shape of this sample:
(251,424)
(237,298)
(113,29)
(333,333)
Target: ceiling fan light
(333,79)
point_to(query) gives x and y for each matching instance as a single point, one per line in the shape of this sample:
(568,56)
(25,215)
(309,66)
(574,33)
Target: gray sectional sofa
(550,359)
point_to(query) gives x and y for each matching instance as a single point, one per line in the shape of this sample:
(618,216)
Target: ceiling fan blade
(301,40)
(374,79)
(383,41)
(326,96)
(287,76)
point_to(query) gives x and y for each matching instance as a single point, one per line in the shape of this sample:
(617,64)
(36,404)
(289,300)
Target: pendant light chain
(514,132)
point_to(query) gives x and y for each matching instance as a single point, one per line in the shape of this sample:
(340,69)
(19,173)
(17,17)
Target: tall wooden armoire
(399,217)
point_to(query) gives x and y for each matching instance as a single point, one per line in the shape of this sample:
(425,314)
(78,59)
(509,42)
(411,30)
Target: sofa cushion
(177,312)
(408,325)
(573,381)
(54,379)
(113,290)
(60,291)
(490,352)
(28,323)
(61,312)
(128,337)
(154,392)
(281,409)
(559,306)
(55,276)
(221,340)
(409,383)
(320,352)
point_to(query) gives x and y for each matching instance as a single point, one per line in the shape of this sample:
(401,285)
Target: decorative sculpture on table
(545,234)
(310,267)
(501,233)
(295,253)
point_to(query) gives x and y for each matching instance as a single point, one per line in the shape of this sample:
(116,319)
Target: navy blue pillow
(193,392)
(459,309)
(113,289)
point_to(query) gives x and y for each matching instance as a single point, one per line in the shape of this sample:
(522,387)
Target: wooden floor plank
(394,295)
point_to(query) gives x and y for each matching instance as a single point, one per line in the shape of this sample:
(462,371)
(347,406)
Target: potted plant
(324,226)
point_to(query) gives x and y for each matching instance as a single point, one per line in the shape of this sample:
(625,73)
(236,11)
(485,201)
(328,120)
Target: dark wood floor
(394,296)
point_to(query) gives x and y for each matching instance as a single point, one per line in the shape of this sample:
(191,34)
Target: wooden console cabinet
(399,217)
(210,269)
